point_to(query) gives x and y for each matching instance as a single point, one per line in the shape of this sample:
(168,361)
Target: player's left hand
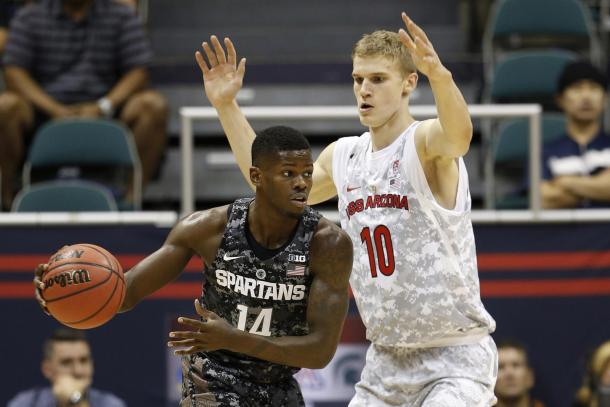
(422,52)
(208,335)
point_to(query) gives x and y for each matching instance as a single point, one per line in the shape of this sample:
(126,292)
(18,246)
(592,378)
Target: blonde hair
(387,44)
(597,364)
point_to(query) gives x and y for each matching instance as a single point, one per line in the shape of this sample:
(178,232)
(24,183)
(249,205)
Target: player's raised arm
(331,264)
(163,266)
(223,78)
(450,134)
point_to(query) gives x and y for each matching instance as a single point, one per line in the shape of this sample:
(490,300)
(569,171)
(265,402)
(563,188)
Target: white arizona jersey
(415,274)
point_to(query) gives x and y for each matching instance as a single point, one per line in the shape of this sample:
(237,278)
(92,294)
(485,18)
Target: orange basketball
(84,286)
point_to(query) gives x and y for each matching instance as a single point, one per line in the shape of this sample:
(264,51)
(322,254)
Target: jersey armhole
(420,182)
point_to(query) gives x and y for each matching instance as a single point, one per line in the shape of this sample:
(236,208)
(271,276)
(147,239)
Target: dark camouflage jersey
(263,297)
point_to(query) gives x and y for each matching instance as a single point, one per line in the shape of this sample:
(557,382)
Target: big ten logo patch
(297,258)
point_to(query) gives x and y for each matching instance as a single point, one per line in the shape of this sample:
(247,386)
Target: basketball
(84,286)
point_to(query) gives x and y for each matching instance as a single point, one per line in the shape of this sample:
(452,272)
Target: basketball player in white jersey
(405,202)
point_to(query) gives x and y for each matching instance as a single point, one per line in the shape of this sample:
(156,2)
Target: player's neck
(582,132)
(270,228)
(386,134)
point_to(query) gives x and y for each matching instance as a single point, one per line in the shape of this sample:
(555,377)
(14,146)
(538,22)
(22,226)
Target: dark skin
(283,182)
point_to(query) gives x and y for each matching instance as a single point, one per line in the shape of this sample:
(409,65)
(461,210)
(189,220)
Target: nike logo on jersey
(229,258)
(350,189)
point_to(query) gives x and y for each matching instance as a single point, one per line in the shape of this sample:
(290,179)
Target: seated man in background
(515,376)
(576,167)
(77,58)
(68,365)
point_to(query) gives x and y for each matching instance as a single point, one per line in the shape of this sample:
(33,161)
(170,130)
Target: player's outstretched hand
(222,77)
(424,56)
(211,334)
(39,286)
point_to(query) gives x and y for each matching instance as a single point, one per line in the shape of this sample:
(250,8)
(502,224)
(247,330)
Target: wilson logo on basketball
(69,278)
(67,255)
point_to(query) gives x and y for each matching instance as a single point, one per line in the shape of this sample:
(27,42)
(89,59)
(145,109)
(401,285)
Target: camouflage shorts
(453,376)
(206,384)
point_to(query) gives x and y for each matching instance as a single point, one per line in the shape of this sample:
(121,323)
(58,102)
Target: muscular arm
(449,135)
(331,263)
(198,233)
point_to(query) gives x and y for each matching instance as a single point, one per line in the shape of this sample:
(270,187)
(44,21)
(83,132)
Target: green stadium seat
(64,196)
(95,149)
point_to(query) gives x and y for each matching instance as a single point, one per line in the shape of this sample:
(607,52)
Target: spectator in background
(77,58)
(576,167)
(68,365)
(515,376)
(595,389)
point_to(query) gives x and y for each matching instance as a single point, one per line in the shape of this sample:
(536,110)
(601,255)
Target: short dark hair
(61,335)
(509,343)
(275,139)
(579,71)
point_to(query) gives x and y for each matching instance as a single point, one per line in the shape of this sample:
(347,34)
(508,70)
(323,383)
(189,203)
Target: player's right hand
(39,286)
(222,77)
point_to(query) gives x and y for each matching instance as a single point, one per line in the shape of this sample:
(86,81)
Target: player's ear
(256,176)
(409,83)
(46,369)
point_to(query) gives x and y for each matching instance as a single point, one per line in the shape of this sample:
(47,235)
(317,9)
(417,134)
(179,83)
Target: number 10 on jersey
(380,243)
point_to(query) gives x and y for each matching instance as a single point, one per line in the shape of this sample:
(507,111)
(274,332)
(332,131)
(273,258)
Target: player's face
(380,89)
(515,378)
(69,358)
(286,181)
(583,101)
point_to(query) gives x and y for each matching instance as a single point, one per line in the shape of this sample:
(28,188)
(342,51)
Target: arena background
(547,283)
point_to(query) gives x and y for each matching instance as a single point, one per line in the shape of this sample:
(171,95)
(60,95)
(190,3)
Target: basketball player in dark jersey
(275,289)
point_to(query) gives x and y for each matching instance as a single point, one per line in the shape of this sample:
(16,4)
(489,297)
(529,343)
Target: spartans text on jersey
(255,288)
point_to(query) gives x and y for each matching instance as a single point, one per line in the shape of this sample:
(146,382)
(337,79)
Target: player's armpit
(323,187)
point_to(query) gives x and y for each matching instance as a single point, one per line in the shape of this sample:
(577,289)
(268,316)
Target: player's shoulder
(26,398)
(330,238)
(206,221)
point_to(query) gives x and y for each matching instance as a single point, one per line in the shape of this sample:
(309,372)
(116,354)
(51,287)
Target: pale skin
(69,368)
(379,83)
(515,378)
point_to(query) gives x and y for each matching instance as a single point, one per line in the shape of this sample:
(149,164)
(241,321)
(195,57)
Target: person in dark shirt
(576,167)
(77,58)
(275,284)
(68,365)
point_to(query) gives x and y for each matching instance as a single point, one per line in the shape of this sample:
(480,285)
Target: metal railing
(190,114)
